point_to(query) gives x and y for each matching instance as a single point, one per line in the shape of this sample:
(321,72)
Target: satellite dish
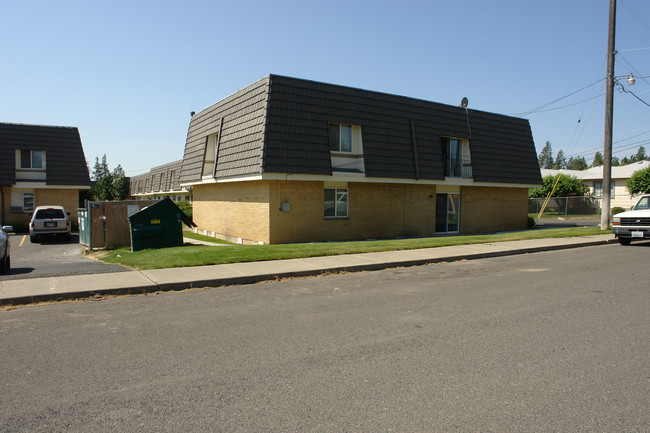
(464,102)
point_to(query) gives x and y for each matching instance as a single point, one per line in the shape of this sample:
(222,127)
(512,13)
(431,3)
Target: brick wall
(375,211)
(485,210)
(253,211)
(68,198)
(233,210)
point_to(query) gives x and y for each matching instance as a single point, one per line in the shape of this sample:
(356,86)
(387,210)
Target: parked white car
(633,224)
(5,258)
(49,221)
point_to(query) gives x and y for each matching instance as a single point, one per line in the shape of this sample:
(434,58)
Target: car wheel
(624,241)
(33,239)
(68,237)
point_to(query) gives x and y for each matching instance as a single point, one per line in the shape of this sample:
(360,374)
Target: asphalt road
(52,258)
(545,342)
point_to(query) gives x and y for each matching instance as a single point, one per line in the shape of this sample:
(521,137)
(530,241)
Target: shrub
(186,207)
(639,182)
(566,187)
(617,209)
(531,223)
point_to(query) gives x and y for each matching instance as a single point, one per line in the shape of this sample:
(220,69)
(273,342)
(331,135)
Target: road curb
(153,287)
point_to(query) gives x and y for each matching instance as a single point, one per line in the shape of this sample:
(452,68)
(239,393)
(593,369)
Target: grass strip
(200,255)
(198,237)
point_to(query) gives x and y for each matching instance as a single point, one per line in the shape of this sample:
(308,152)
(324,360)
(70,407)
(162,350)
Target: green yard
(198,255)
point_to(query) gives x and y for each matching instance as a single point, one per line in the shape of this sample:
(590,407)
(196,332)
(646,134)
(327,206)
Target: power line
(624,90)
(541,107)
(638,75)
(634,13)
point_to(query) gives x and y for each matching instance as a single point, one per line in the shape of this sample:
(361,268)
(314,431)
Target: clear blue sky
(128,73)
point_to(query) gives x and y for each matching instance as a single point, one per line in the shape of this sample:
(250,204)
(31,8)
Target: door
(447,213)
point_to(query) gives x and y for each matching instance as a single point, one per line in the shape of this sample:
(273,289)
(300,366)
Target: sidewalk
(132,282)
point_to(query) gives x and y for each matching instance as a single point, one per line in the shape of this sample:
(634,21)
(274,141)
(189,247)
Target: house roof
(65,159)
(280,125)
(596,173)
(169,182)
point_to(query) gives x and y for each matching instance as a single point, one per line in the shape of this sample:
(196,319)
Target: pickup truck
(633,224)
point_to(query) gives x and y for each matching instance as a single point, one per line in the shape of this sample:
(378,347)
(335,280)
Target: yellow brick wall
(68,198)
(6,217)
(233,210)
(252,211)
(486,209)
(375,211)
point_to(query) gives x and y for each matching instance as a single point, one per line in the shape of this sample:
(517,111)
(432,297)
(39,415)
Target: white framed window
(34,159)
(598,189)
(336,203)
(458,162)
(340,137)
(22,202)
(210,156)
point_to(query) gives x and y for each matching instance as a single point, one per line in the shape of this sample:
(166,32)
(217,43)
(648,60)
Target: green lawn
(198,255)
(198,237)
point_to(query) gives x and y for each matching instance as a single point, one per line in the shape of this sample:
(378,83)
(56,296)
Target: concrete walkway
(116,283)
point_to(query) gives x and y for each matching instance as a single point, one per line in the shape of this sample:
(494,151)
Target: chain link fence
(566,209)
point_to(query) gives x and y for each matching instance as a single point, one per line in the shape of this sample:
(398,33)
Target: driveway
(52,258)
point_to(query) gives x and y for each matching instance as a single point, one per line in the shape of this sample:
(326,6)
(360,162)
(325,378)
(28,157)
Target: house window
(210,156)
(32,159)
(28,202)
(456,156)
(598,189)
(447,213)
(336,202)
(340,137)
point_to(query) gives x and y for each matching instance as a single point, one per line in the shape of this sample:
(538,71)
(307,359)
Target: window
(456,156)
(210,156)
(340,137)
(336,202)
(598,189)
(171,180)
(28,202)
(447,212)
(32,159)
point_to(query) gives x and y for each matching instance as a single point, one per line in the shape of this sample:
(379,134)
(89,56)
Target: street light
(631,80)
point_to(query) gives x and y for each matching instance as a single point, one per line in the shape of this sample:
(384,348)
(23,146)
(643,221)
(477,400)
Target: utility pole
(609,119)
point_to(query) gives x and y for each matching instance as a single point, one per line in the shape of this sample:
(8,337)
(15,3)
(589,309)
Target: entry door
(447,212)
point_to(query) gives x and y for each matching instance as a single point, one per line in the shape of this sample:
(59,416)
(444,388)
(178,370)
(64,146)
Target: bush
(639,182)
(186,207)
(531,223)
(566,187)
(617,209)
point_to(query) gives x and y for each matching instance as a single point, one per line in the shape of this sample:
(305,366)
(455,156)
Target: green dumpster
(158,226)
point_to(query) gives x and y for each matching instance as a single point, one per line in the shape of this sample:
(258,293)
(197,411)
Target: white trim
(356,177)
(42,185)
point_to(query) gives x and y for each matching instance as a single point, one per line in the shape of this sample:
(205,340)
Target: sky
(128,73)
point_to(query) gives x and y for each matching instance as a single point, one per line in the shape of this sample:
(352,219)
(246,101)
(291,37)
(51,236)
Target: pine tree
(560,161)
(598,160)
(100,169)
(578,163)
(640,154)
(546,156)
(120,184)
